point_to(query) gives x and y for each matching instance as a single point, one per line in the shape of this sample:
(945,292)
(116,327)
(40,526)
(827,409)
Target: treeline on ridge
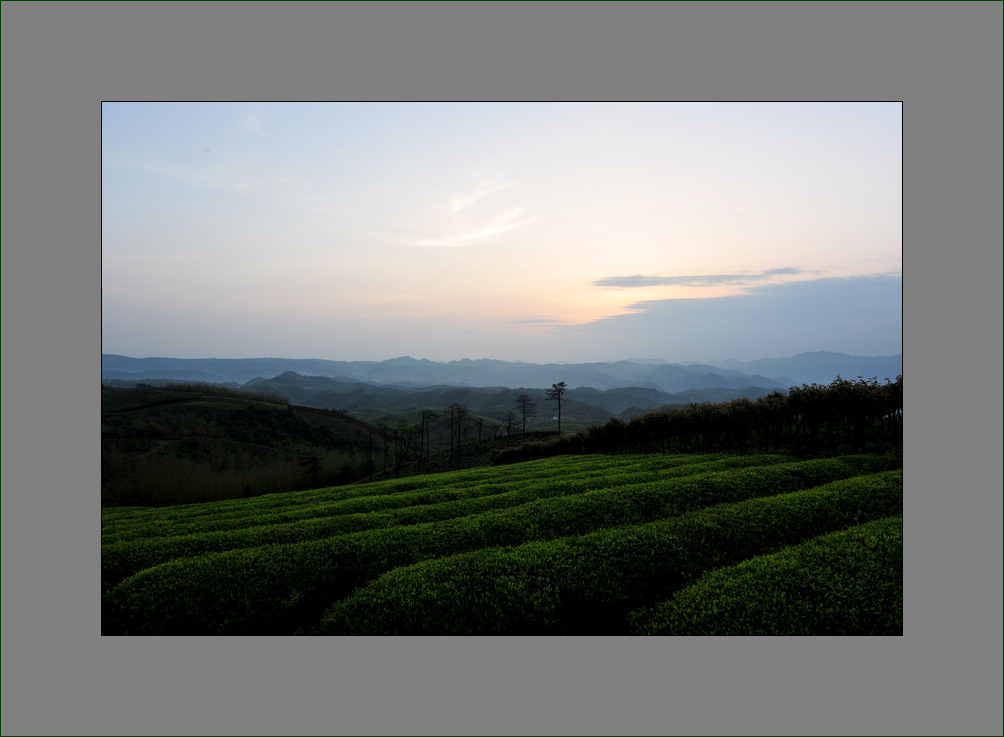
(185,443)
(844,416)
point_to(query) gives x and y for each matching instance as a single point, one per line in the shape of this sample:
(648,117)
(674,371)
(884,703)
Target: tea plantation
(575,545)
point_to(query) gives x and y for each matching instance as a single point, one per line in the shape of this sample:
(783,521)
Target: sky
(540,232)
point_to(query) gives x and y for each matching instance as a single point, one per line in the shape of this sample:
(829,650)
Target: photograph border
(61,60)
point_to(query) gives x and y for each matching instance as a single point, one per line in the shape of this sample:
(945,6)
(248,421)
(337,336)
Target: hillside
(575,545)
(410,372)
(184,443)
(388,404)
(193,443)
(713,519)
(190,443)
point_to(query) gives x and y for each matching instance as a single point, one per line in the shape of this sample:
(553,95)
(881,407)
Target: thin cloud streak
(500,224)
(473,216)
(461,202)
(704,280)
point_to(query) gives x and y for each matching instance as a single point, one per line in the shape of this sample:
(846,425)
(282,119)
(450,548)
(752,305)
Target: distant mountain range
(819,367)
(411,373)
(384,403)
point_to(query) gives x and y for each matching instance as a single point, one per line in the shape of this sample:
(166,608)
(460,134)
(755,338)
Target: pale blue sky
(537,232)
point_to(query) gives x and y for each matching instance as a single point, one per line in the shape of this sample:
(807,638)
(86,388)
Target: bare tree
(370,466)
(458,423)
(404,438)
(427,417)
(462,414)
(385,433)
(527,408)
(453,424)
(555,393)
(510,420)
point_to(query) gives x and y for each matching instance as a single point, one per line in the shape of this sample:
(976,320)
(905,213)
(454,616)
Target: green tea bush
(233,514)
(843,583)
(122,559)
(590,584)
(199,594)
(281,586)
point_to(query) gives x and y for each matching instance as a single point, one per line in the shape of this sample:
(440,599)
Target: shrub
(260,525)
(205,594)
(590,584)
(843,583)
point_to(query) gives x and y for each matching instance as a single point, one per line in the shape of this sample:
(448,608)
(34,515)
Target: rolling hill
(411,372)
(176,444)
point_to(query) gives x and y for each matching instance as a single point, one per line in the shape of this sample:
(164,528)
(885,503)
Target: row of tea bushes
(592,584)
(285,587)
(843,583)
(316,522)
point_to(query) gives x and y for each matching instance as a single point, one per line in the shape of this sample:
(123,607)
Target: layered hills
(768,373)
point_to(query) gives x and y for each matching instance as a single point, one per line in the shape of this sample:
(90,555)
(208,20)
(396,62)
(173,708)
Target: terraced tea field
(630,544)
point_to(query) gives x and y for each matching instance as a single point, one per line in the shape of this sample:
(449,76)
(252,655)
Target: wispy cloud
(459,203)
(701,280)
(783,270)
(475,214)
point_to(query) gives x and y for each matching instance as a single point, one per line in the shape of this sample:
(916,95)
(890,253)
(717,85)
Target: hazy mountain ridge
(588,404)
(769,373)
(407,371)
(819,367)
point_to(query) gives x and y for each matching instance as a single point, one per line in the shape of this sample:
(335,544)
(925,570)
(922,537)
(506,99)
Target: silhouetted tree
(510,420)
(527,408)
(810,419)
(427,417)
(384,433)
(458,421)
(404,439)
(371,467)
(555,394)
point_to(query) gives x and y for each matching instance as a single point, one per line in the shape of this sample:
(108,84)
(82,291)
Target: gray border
(60,59)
